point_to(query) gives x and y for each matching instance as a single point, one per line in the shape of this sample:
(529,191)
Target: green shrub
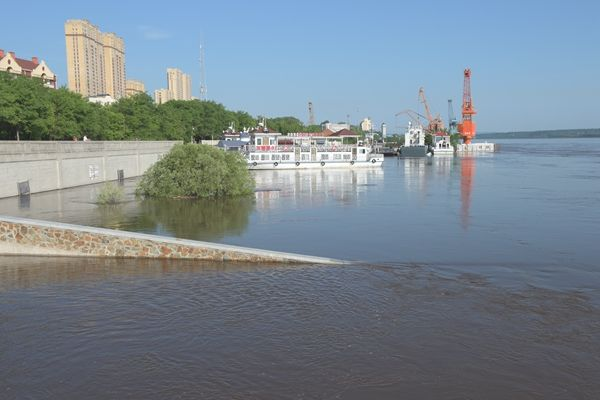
(191,170)
(110,194)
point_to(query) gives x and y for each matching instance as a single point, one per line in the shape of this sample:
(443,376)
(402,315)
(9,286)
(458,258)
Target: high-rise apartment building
(95,60)
(114,65)
(179,87)
(179,84)
(133,87)
(161,96)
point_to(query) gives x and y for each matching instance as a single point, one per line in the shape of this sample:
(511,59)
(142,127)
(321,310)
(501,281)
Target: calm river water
(473,278)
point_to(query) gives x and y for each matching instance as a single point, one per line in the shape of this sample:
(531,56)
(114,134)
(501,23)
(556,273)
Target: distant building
(335,127)
(95,60)
(366,125)
(30,68)
(161,96)
(102,99)
(133,87)
(383,130)
(179,84)
(114,65)
(179,87)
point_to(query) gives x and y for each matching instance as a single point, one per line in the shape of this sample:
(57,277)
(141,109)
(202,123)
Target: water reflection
(302,187)
(422,173)
(192,218)
(467,172)
(26,272)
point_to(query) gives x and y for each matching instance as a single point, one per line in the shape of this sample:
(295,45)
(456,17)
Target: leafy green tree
(285,125)
(68,116)
(428,139)
(244,120)
(141,117)
(103,123)
(24,108)
(191,170)
(455,139)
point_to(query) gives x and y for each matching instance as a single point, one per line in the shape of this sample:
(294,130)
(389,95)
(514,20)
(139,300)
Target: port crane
(413,115)
(435,123)
(467,127)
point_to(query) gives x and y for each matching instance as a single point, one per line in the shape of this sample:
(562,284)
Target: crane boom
(436,124)
(423,100)
(413,115)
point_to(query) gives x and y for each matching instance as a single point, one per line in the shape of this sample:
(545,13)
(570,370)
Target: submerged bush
(110,194)
(191,170)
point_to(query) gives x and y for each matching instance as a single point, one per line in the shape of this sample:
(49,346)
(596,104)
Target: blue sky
(535,64)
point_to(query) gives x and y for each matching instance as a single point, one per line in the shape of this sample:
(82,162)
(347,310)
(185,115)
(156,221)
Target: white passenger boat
(343,149)
(442,146)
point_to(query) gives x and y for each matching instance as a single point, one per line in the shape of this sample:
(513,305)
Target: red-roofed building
(346,133)
(30,68)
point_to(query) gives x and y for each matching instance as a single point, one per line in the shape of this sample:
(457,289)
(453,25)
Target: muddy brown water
(474,279)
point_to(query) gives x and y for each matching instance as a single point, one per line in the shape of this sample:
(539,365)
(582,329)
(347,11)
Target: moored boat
(414,142)
(442,145)
(342,149)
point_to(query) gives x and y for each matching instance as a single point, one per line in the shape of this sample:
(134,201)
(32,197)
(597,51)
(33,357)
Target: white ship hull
(374,162)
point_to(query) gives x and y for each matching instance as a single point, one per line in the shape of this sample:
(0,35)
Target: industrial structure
(203,89)
(467,126)
(436,124)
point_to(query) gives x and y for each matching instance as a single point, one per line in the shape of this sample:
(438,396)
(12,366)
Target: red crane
(467,127)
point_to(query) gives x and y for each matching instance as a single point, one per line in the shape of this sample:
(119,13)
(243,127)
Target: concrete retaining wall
(58,165)
(22,236)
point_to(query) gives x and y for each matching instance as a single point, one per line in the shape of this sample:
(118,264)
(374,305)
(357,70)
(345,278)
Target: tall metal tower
(311,114)
(202,75)
(467,127)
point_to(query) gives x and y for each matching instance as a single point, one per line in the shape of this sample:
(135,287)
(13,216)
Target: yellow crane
(435,123)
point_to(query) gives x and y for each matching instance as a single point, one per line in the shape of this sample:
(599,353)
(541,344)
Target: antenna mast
(202,75)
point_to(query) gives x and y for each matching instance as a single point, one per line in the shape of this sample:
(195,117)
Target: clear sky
(535,64)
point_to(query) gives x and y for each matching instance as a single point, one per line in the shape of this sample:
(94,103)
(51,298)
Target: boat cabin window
(272,141)
(258,141)
(363,151)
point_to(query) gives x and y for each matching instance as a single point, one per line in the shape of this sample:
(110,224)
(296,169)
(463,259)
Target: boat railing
(269,148)
(335,148)
(291,148)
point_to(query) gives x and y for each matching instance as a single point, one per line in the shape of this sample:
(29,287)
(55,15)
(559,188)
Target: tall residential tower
(95,60)
(179,84)
(179,87)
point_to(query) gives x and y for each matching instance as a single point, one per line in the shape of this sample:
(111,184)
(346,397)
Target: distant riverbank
(554,134)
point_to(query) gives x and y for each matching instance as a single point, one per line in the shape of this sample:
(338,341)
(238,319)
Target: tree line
(31,111)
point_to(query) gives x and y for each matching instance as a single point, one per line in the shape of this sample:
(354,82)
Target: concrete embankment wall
(20,236)
(44,166)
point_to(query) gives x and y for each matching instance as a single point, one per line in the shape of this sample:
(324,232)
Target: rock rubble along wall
(42,166)
(31,237)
